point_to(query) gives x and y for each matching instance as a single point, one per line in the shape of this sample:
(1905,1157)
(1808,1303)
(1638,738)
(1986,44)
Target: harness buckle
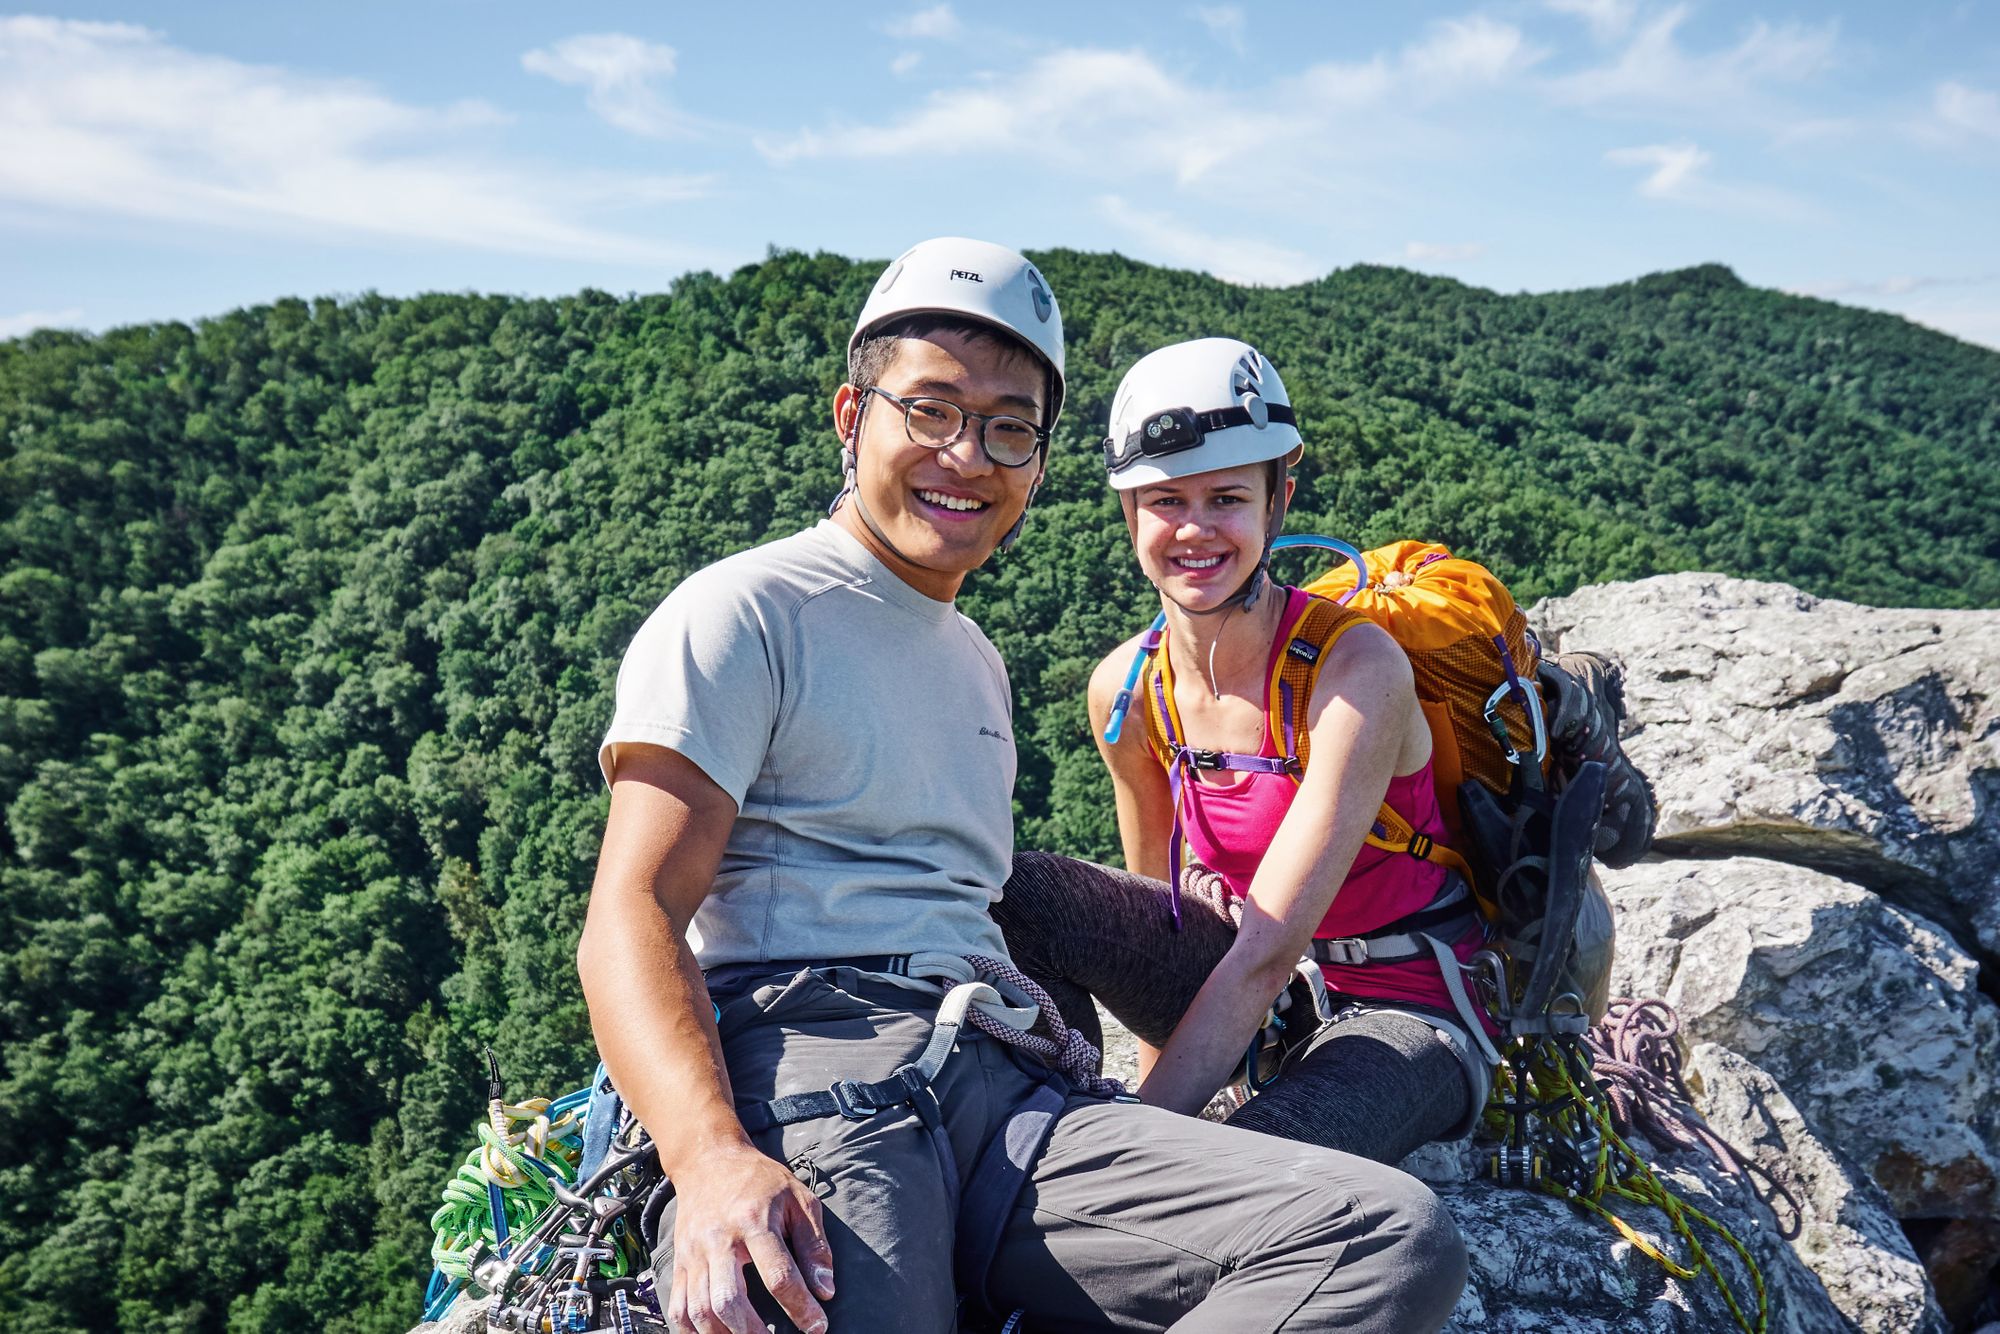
(1203,759)
(1349,951)
(844,1091)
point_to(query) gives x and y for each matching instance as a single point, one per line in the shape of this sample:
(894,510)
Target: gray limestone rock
(1864,1014)
(1845,1230)
(1864,741)
(1538,1263)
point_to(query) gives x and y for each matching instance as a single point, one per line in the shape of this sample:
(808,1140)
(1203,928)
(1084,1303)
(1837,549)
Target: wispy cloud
(1608,19)
(1077,107)
(1676,168)
(1225,23)
(14,326)
(1475,50)
(1121,112)
(1973,111)
(905,62)
(1234,259)
(1678,173)
(1429,252)
(937,24)
(621,75)
(1653,71)
(1899,285)
(109,119)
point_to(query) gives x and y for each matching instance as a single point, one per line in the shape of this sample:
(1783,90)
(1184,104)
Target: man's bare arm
(650,1013)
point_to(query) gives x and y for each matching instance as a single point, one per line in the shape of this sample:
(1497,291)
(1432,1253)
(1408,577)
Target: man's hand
(744,1208)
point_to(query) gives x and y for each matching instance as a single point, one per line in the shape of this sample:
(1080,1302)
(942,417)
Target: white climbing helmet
(1196,407)
(977,280)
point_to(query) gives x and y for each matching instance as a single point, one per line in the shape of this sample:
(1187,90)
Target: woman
(1278,867)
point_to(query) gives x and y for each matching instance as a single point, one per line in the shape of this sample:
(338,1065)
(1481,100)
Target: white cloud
(1678,173)
(1654,71)
(1898,285)
(1087,109)
(1428,252)
(109,119)
(14,326)
(906,62)
(937,24)
(1608,19)
(1121,113)
(620,71)
(1676,167)
(1225,23)
(1457,52)
(1233,259)
(1968,110)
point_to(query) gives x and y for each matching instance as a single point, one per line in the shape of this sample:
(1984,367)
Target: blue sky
(173,161)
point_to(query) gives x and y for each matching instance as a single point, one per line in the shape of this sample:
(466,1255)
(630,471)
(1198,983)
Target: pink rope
(1639,1066)
(1064,1049)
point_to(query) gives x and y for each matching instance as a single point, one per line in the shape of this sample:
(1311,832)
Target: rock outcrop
(1866,1015)
(1860,740)
(1840,1224)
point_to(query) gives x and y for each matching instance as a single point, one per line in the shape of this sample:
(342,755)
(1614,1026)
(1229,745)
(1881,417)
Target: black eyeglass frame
(966,418)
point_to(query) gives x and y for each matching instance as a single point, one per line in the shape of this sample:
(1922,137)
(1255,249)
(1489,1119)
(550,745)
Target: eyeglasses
(937,422)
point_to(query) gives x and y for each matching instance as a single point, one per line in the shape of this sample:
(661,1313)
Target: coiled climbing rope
(1063,1049)
(503,1185)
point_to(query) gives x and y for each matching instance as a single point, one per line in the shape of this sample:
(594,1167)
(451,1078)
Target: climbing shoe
(1588,694)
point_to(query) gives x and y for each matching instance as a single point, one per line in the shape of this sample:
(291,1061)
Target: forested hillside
(309,617)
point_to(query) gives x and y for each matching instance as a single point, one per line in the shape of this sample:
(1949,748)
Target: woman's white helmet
(1196,407)
(975,280)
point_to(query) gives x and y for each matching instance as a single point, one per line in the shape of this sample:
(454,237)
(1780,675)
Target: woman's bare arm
(1359,717)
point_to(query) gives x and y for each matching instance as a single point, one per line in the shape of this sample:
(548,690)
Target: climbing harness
(557,1219)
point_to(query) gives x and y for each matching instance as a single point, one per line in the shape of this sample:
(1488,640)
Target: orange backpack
(1473,658)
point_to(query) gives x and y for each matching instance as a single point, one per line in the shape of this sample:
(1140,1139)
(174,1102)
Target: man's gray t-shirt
(865,733)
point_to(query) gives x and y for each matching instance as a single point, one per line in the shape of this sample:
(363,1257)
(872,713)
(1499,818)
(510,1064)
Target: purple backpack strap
(1182,761)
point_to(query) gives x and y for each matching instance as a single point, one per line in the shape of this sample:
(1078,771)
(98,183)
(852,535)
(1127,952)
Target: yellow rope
(1551,1082)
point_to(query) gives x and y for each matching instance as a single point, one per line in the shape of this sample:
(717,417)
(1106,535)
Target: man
(811,768)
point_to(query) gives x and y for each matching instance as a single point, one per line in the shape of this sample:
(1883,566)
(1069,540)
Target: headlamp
(1176,430)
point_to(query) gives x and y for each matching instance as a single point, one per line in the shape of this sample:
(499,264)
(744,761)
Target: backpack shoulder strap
(1156,693)
(1291,690)
(1296,673)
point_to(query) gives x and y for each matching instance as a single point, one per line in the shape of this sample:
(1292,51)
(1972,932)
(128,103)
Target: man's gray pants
(1133,1218)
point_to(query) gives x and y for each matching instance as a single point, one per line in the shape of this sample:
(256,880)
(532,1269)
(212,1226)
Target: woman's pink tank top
(1229,825)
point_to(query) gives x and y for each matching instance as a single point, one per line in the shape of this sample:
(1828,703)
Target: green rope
(1565,1102)
(465,1220)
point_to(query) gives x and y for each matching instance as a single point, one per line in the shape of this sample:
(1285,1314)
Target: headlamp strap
(1177,429)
